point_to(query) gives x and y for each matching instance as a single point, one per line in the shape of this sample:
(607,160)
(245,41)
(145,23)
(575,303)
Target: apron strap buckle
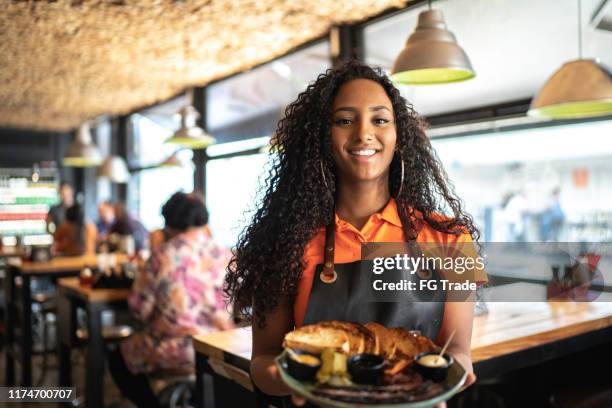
(328,276)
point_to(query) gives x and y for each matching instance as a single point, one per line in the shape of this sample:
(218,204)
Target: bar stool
(173,389)
(45,309)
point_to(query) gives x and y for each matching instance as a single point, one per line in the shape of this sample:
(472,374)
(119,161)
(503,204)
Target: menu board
(25,198)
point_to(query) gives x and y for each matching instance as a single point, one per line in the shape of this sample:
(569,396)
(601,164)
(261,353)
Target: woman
(158,237)
(353,157)
(75,236)
(177,295)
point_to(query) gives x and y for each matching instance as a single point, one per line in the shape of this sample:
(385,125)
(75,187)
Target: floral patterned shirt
(178,294)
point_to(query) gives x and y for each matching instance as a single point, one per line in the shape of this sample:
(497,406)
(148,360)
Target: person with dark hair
(106,212)
(75,236)
(169,209)
(353,164)
(126,224)
(57,213)
(178,294)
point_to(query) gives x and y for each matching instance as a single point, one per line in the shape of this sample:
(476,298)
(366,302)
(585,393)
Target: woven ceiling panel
(62,62)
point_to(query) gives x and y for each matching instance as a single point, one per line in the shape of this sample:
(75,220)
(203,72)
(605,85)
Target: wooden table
(55,268)
(223,358)
(94,301)
(522,334)
(511,336)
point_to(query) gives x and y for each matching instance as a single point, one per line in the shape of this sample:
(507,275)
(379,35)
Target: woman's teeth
(366,152)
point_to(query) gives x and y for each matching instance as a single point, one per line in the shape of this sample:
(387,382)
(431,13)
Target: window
(154,184)
(232,192)
(242,113)
(250,104)
(541,184)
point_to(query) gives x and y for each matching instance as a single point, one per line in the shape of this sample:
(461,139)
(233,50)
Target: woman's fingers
(469,380)
(295,399)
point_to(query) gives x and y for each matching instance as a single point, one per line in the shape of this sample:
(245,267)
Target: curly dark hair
(268,259)
(183,211)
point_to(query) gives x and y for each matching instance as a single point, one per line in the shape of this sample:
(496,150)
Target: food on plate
(349,338)
(303,366)
(416,390)
(366,368)
(334,369)
(307,359)
(354,338)
(432,366)
(365,364)
(432,360)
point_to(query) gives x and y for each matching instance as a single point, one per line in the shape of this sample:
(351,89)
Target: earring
(323,174)
(401,178)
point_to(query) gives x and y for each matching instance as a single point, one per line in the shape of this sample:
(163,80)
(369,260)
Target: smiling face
(363,133)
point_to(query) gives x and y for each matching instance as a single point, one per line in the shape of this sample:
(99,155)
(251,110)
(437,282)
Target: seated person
(125,224)
(75,236)
(178,294)
(106,212)
(57,213)
(162,235)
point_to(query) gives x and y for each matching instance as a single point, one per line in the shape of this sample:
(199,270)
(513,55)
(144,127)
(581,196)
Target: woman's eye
(343,121)
(381,121)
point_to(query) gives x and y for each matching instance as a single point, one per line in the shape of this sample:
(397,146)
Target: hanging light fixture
(171,161)
(579,89)
(431,55)
(82,152)
(114,169)
(190,135)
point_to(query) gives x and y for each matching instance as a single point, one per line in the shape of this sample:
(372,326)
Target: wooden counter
(506,330)
(72,287)
(62,264)
(512,327)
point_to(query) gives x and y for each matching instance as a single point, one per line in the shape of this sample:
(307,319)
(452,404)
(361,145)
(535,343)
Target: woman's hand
(296,399)
(466,361)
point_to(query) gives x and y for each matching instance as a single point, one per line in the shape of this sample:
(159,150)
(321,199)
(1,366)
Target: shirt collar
(388,214)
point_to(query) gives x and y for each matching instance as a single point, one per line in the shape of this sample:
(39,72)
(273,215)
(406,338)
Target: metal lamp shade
(82,152)
(114,169)
(579,89)
(189,134)
(431,55)
(171,161)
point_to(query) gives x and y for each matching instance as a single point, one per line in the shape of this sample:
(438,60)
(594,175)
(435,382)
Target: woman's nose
(365,131)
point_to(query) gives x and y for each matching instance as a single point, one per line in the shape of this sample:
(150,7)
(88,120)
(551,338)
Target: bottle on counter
(86,277)
(554,290)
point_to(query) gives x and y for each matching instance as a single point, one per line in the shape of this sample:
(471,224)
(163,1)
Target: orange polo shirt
(384,226)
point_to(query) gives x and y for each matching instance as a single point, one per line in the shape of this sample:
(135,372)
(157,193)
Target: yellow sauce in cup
(306,359)
(432,360)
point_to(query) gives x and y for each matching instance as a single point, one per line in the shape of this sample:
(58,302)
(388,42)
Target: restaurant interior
(111,108)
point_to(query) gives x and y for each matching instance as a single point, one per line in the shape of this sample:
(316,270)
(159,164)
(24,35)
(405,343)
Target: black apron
(344,292)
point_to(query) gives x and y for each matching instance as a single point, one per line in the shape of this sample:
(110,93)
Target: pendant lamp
(171,161)
(431,55)
(82,152)
(114,169)
(190,135)
(581,88)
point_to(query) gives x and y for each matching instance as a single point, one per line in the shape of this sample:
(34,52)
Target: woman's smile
(363,132)
(362,154)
